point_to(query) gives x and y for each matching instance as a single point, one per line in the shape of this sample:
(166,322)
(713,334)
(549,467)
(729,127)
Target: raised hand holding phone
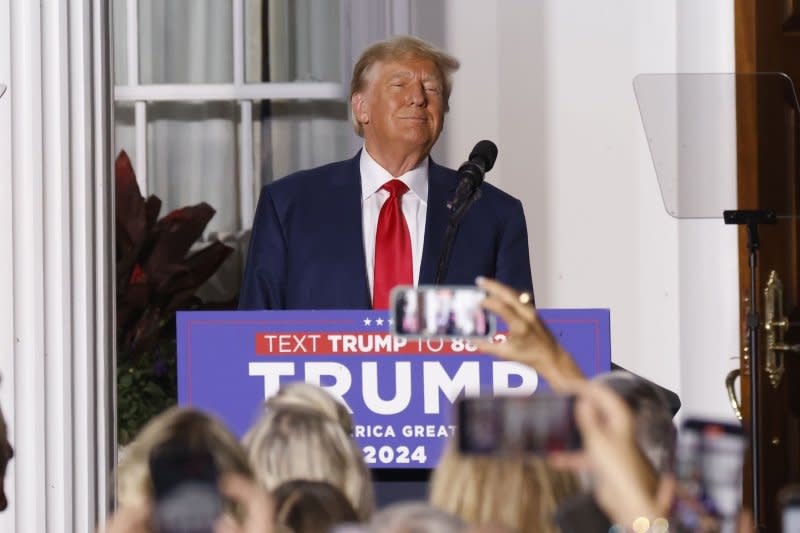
(529,340)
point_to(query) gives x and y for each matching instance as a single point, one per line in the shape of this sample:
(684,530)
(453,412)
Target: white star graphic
(379,321)
(391,321)
(367,322)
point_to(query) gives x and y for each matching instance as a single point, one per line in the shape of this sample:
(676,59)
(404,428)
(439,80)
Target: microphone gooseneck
(470,177)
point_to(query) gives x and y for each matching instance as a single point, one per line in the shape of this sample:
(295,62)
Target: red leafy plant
(157,274)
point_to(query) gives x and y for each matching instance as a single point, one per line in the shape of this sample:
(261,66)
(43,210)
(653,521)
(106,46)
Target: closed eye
(433,87)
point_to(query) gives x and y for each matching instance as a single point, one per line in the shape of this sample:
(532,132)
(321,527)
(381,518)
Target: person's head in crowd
(301,394)
(521,493)
(193,429)
(6,453)
(415,517)
(303,506)
(655,430)
(399,94)
(302,435)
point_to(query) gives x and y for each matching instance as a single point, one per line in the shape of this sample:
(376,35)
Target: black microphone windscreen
(487,151)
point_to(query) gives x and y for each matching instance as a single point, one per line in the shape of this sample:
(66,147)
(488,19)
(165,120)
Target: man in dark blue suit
(339,236)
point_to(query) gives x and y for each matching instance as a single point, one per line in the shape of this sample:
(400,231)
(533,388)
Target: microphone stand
(457,213)
(752,219)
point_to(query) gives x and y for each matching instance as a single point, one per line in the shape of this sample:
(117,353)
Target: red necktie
(392,247)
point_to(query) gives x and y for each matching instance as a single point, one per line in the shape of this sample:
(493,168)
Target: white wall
(551,82)
(709,283)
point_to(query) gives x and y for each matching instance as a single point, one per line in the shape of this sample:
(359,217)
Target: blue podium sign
(399,391)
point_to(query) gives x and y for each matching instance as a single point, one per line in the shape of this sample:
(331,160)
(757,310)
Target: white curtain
(304,45)
(192,147)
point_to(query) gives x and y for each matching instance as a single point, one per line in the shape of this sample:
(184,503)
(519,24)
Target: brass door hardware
(729,381)
(775,324)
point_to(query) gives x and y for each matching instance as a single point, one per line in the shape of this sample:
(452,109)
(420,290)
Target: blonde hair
(305,434)
(192,428)
(300,394)
(521,493)
(395,49)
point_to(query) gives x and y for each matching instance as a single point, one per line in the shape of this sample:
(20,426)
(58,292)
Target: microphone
(471,173)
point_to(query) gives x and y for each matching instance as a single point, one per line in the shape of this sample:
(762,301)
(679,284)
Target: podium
(399,391)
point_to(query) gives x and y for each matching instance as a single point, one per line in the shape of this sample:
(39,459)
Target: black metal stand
(457,213)
(752,219)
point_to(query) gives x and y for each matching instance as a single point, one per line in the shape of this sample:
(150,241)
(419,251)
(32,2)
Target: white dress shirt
(414,204)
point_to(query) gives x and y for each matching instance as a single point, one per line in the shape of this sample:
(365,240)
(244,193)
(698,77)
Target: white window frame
(239,91)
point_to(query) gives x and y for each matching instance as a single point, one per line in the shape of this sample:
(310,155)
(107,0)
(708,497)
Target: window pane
(192,157)
(185,41)
(293,40)
(125,130)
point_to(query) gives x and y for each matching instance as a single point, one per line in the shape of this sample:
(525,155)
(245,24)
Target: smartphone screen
(538,424)
(187,499)
(440,312)
(710,457)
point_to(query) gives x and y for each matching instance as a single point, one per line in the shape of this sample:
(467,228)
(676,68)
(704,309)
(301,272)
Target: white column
(56,303)
(27,412)
(56,266)
(6,259)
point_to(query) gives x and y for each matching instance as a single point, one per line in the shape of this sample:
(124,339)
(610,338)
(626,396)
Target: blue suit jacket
(307,247)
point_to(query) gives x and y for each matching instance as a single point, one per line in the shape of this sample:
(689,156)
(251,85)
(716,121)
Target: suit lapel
(440,187)
(348,218)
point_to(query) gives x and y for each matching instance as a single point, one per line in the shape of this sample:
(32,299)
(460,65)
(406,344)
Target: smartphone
(789,500)
(709,461)
(440,311)
(515,425)
(187,499)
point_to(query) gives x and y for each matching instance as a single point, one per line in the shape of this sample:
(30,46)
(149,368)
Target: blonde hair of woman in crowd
(302,394)
(196,430)
(520,493)
(304,433)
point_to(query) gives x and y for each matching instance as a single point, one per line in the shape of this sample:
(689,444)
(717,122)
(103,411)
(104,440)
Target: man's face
(402,106)
(6,453)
